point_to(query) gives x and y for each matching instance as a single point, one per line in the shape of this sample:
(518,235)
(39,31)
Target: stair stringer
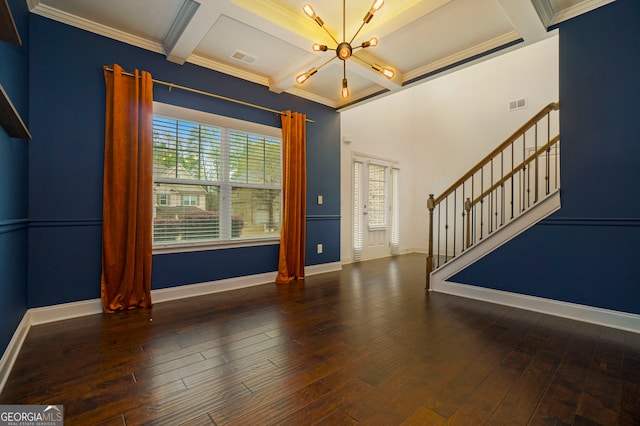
(506,233)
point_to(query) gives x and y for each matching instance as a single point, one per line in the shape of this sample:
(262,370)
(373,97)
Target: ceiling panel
(144,18)
(417,37)
(228,35)
(448,30)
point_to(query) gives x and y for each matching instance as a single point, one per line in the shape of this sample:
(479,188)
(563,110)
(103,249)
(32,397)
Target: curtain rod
(213,95)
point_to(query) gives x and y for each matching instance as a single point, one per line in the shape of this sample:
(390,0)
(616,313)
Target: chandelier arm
(344,20)
(330,35)
(325,63)
(357,32)
(382,70)
(362,60)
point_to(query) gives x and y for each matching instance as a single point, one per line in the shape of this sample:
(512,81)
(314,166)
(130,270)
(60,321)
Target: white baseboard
(201,289)
(11,353)
(47,314)
(505,234)
(64,311)
(590,314)
(323,268)
(94,306)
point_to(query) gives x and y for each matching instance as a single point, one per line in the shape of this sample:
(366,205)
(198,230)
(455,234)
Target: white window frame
(189,200)
(385,202)
(360,163)
(163,199)
(190,115)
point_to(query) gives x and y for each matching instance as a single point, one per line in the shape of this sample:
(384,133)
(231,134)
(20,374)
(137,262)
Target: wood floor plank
(468,415)
(602,394)
(365,345)
(201,420)
(337,417)
(523,397)
(330,401)
(271,409)
(560,401)
(423,416)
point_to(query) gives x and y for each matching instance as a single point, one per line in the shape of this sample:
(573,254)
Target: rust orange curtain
(294,197)
(127,210)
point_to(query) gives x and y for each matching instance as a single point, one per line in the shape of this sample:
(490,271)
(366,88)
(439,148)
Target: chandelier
(344,50)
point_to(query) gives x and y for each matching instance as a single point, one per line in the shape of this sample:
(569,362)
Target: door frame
(390,192)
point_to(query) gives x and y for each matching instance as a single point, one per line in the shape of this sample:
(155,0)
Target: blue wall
(66,164)
(14,77)
(586,253)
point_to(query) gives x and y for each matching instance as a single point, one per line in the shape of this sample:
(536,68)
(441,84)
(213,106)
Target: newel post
(431,204)
(467,208)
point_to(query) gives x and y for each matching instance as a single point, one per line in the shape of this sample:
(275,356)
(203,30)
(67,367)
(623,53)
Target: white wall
(439,129)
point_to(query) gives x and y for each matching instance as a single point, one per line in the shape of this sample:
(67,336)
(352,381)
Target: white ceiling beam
(286,78)
(525,19)
(192,24)
(360,65)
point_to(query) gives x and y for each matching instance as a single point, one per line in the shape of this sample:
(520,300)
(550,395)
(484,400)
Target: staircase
(508,191)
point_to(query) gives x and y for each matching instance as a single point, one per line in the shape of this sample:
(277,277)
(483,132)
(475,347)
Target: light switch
(319,199)
(319,248)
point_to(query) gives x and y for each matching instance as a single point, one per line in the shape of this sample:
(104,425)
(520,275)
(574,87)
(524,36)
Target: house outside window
(163,199)
(217,181)
(189,200)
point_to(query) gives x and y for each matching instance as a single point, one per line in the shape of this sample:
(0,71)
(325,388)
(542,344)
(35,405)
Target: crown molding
(311,97)
(545,11)
(66,18)
(579,9)
(478,49)
(227,69)
(551,16)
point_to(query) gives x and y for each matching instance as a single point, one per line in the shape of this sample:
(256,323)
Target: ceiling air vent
(517,104)
(243,57)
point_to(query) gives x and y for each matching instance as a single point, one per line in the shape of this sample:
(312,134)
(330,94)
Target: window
(189,200)
(376,200)
(216,179)
(357,211)
(377,196)
(395,213)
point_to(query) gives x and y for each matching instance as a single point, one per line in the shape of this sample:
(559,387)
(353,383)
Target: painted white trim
(296,91)
(578,9)
(608,318)
(64,311)
(508,232)
(47,314)
(549,15)
(13,349)
(210,287)
(470,52)
(323,268)
(212,64)
(94,27)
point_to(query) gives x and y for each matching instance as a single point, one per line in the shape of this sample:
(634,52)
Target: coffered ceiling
(269,41)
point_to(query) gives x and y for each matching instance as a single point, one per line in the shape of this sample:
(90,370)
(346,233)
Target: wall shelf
(10,119)
(8,29)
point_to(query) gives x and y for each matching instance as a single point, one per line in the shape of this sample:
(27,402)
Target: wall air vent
(243,57)
(517,104)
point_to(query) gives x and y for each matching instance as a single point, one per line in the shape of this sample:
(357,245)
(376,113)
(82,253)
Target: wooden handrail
(526,126)
(469,202)
(515,170)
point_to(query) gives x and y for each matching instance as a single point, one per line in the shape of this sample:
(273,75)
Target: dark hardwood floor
(367,345)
